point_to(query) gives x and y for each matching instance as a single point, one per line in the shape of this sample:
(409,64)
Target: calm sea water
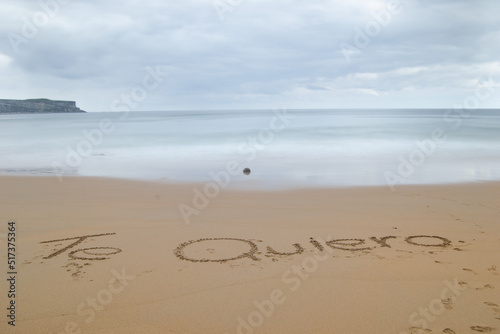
(299,148)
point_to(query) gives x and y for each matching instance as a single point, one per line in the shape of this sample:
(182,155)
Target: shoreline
(104,255)
(244,186)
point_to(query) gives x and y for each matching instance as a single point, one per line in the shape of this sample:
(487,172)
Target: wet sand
(98,255)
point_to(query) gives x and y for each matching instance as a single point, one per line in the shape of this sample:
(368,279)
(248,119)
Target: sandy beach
(97,255)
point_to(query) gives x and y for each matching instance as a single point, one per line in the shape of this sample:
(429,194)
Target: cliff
(37,106)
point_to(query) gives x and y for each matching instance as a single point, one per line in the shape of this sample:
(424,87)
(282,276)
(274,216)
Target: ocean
(283,148)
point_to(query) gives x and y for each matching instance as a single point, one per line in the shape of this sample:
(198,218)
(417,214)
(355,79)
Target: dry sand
(115,256)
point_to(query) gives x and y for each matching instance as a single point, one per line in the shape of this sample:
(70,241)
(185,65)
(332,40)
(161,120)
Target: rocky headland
(38,106)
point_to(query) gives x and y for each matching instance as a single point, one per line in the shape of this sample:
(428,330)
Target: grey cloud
(285,52)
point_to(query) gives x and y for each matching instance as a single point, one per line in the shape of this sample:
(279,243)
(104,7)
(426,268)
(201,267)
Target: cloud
(5,60)
(263,54)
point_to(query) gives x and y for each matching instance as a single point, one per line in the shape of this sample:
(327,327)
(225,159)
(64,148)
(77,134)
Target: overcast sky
(250,54)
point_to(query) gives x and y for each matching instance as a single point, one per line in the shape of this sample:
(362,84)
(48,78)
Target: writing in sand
(236,249)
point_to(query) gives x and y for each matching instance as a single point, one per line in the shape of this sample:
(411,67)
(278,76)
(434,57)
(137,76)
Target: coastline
(376,258)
